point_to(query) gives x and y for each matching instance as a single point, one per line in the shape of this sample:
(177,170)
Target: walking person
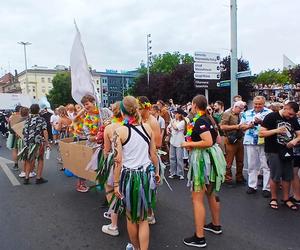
(35,140)
(177,129)
(281,131)
(254,146)
(136,172)
(116,122)
(206,173)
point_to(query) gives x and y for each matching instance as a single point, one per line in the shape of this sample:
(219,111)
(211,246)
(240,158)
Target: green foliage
(294,74)
(165,63)
(273,76)
(60,94)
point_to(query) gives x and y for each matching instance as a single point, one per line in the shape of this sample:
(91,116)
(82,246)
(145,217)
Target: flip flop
(292,205)
(274,205)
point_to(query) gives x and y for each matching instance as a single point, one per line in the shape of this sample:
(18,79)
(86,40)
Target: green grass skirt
(207,166)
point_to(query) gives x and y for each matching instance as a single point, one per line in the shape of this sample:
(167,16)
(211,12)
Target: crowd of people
(139,138)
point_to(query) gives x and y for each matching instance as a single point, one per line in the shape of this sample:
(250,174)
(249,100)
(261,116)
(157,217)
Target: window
(34,97)
(98,90)
(49,79)
(97,82)
(33,89)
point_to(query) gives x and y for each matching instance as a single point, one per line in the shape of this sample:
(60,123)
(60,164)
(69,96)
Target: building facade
(39,80)
(111,85)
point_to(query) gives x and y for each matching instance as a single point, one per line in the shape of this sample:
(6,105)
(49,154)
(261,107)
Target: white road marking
(6,161)
(14,181)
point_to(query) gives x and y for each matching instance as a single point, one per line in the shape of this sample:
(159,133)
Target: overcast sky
(114,31)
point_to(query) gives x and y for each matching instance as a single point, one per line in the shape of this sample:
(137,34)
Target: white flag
(82,81)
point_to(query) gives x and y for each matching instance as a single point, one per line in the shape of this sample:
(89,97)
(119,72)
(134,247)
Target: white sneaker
(22,174)
(181,177)
(171,176)
(32,174)
(129,246)
(151,220)
(108,229)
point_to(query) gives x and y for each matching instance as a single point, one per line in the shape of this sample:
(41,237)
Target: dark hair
(87,98)
(18,107)
(143,99)
(200,102)
(294,106)
(155,107)
(24,111)
(220,103)
(34,109)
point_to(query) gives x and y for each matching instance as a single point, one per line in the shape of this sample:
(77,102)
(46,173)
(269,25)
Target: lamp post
(149,55)
(24,45)
(233,57)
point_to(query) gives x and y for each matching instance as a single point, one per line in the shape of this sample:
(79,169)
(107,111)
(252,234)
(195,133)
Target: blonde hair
(62,111)
(130,104)
(116,110)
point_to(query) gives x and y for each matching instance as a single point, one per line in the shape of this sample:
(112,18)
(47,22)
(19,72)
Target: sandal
(274,204)
(289,204)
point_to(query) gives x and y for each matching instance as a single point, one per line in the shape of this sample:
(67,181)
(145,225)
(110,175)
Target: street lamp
(149,55)
(24,45)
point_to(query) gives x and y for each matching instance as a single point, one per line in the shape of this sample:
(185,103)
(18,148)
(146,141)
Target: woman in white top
(135,176)
(176,129)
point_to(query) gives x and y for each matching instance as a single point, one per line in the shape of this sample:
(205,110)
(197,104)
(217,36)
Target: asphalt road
(55,216)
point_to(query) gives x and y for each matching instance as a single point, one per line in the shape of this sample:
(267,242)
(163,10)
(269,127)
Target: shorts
(297,161)
(279,170)
(55,132)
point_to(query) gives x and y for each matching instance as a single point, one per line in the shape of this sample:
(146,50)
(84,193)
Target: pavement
(55,216)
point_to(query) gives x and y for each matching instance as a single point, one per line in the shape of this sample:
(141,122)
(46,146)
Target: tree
(60,94)
(244,84)
(294,74)
(172,76)
(273,76)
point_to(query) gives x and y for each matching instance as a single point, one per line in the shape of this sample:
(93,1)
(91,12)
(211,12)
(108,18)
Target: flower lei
(190,126)
(91,121)
(145,105)
(116,120)
(129,120)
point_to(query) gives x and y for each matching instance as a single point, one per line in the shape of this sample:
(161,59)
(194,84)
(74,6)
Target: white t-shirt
(71,115)
(177,135)
(161,121)
(54,119)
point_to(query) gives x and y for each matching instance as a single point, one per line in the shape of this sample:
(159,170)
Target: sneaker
(266,194)
(181,177)
(129,246)
(108,229)
(151,220)
(171,176)
(32,174)
(82,189)
(16,167)
(107,215)
(251,190)
(40,181)
(22,174)
(212,228)
(194,241)
(26,181)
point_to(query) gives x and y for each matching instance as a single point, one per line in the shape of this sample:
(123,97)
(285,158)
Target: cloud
(114,32)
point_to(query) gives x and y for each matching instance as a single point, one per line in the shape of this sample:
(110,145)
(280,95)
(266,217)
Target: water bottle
(47,153)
